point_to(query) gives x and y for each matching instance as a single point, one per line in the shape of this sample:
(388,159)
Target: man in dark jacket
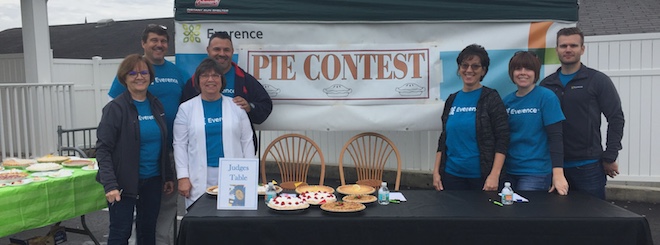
(247,92)
(585,94)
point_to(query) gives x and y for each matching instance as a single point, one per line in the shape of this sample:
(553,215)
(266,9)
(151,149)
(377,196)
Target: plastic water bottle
(383,194)
(507,194)
(270,192)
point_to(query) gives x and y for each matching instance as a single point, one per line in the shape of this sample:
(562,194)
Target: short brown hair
(568,31)
(474,50)
(129,63)
(209,64)
(527,60)
(159,30)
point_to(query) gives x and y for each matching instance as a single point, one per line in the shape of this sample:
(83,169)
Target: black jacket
(492,129)
(118,145)
(246,86)
(584,98)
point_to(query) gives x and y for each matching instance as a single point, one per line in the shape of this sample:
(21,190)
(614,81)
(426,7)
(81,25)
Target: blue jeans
(589,178)
(147,204)
(528,182)
(455,183)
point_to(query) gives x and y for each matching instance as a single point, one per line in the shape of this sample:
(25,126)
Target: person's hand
(560,184)
(437,183)
(184,187)
(168,188)
(242,103)
(611,168)
(113,196)
(492,183)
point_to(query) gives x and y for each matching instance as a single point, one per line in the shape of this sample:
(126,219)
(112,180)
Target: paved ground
(98,221)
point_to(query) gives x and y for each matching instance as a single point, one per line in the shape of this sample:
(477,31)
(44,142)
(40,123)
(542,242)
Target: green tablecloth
(39,204)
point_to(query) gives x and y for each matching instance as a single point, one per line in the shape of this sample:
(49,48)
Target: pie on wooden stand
(355,189)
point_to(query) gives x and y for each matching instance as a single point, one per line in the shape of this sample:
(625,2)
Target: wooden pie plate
(343,207)
(364,199)
(314,188)
(355,189)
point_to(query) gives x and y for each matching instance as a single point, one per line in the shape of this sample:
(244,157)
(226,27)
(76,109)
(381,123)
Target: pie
(52,158)
(314,188)
(343,207)
(355,189)
(287,202)
(17,163)
(360,198)
(38,167)
(9,176)
(318,197)
(213,190)
(77,162)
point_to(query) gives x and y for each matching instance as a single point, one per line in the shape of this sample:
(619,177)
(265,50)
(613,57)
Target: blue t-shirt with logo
(231,77)
(149,140)
(167,87)
(462,148)
(528,152)
(213,130)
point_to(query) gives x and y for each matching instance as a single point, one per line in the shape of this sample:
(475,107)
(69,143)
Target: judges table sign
(237,183)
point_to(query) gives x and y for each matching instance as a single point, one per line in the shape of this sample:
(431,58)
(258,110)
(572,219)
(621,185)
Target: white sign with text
(237,183)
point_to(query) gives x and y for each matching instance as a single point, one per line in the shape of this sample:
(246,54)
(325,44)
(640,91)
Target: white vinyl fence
(632,61)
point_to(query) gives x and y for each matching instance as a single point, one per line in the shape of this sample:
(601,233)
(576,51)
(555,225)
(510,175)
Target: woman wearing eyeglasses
(208,127)
(133,156)
(534,161)
(475,132)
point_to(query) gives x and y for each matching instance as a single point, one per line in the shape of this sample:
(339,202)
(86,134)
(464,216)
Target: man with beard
(167,87)
(585,94)
(247,92)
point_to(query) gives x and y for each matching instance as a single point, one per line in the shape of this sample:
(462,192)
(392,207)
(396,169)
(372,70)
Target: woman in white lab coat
(208,127)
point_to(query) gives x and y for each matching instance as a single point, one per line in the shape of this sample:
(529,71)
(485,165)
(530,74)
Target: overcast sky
(64,12)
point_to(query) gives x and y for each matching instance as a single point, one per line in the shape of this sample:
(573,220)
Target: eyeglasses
(135,73)
(150,26)
(208,76)
(474,66)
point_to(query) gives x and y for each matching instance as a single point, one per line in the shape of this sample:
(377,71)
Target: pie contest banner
(329,68)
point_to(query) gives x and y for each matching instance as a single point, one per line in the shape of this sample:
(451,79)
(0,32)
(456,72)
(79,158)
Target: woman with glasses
(208,127)
(133,156)
(534,161)
(475,132)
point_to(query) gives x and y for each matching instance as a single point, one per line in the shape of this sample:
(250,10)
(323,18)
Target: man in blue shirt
(248,93)
(585,94)
(167,87)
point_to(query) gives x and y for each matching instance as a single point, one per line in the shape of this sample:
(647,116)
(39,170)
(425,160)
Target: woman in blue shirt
(475,132)
(133,154)
(208,127)
(534,161)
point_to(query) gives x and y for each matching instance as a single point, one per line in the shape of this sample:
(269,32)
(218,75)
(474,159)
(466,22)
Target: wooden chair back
(369,152)
(293,154)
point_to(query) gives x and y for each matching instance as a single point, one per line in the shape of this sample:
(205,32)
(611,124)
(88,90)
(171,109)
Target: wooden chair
(293,154)
(369,153)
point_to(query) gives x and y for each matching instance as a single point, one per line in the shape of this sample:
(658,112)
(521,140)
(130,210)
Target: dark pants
(589,178)
(528,182)
(147,205)
(455,183)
